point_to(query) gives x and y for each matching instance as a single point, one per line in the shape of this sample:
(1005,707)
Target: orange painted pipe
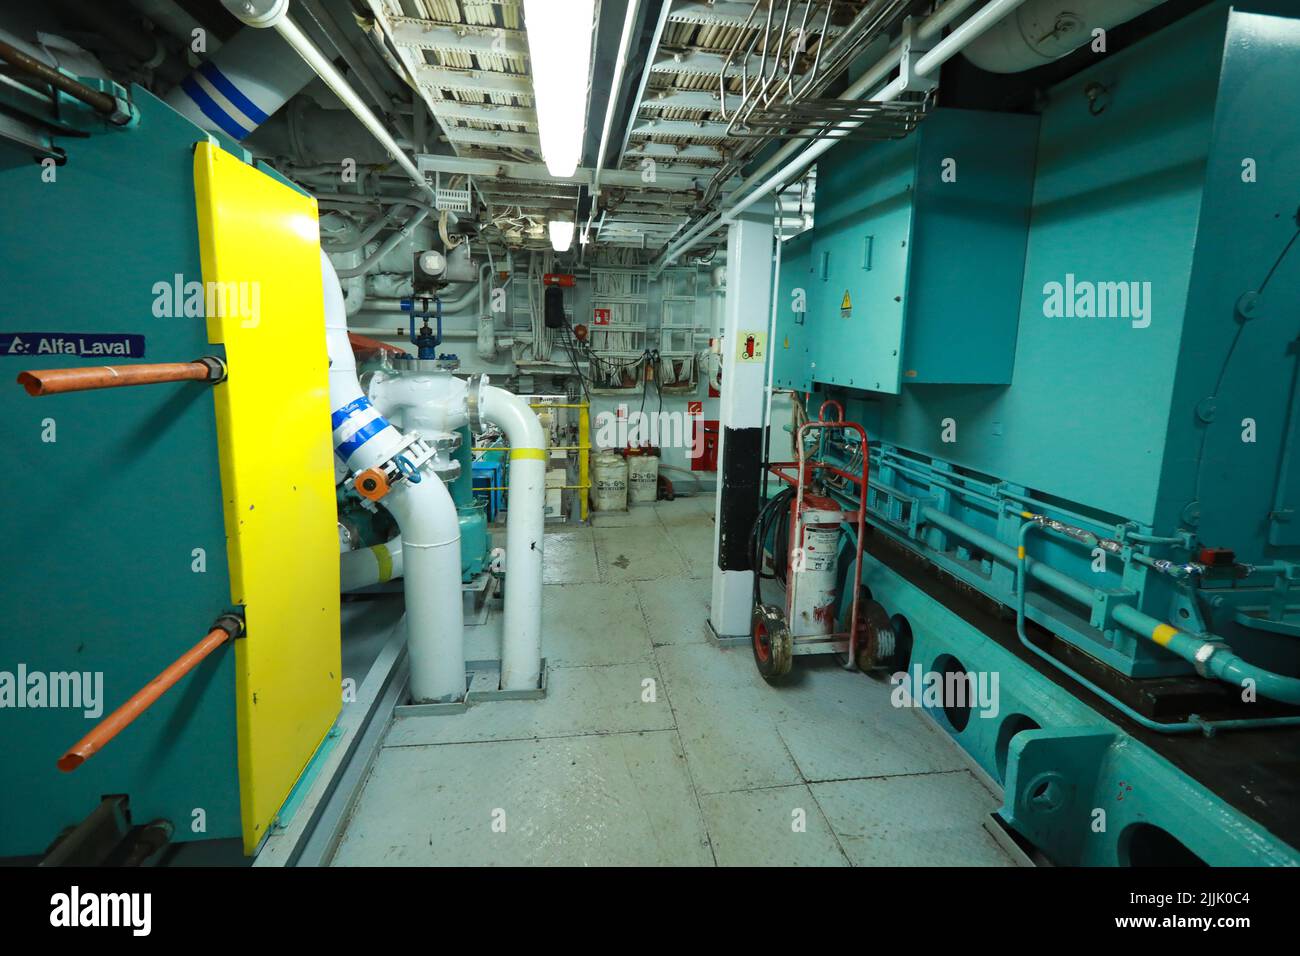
(118,720)
(362,343)
(52,381)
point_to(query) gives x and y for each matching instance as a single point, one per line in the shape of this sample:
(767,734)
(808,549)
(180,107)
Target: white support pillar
(740,419)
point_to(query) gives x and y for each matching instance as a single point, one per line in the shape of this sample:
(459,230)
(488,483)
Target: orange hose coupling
(225,628)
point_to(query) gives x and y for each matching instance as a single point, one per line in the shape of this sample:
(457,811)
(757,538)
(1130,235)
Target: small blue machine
(1071,339)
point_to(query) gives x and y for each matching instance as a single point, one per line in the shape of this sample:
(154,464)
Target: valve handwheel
(771,642)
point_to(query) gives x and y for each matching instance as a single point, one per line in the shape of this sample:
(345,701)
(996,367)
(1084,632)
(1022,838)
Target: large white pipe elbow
(424,510)
(521,646)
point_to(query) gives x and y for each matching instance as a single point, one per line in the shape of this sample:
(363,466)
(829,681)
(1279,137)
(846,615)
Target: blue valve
(427,340)
(411,473)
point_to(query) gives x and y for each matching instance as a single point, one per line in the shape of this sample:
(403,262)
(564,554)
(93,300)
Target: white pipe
(521,646)
(437,403)
(374,565)
(424,511)
(1046,30)
(935,22)
(274,14)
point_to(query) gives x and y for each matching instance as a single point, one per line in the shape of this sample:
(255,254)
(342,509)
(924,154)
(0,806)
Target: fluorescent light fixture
(559,53)
(561,233)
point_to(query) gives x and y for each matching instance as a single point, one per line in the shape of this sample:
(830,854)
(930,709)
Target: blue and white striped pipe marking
(355,424)
(221,101)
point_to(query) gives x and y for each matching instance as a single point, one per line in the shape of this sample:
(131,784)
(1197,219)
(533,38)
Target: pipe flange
(1203,655)
(447,442)
(474,387)
(448,472)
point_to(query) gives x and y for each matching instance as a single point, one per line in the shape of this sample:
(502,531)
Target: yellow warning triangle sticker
(847,303)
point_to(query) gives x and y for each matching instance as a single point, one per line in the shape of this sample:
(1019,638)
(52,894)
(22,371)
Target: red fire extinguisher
(810,580)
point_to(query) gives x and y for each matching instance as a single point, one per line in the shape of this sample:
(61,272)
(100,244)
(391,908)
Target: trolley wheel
(771,642)
(877,642)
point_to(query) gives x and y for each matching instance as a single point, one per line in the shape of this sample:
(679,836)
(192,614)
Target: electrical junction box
(913,269)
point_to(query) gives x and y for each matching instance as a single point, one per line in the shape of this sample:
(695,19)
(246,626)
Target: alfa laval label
(72,343)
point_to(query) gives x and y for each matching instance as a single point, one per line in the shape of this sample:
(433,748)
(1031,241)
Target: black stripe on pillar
(742,471)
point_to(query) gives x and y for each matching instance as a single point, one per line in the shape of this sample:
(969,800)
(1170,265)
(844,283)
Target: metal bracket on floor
(484,681)
(718,640)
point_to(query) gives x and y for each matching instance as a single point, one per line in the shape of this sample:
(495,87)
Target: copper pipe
(43,72)
(227,627)
(51,381)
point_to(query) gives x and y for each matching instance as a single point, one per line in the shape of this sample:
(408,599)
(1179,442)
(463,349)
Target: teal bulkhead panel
(116,490)
(790,362)
(1116,198)
(974,184)
(1247,492)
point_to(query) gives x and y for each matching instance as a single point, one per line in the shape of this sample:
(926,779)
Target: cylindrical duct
(1041,31)
(237,90)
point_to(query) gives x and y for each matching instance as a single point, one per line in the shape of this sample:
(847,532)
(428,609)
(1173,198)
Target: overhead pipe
(1045,30)
(356,63)
(424,510)
(274,14)
(979,22)
(772,173)
(387,246)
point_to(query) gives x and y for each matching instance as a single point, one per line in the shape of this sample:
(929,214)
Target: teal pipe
(986,542)
(1181,727)
(1223,664)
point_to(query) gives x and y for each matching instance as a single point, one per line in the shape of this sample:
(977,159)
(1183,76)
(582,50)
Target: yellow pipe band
(1163,634)
(536,454)
(385,561)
